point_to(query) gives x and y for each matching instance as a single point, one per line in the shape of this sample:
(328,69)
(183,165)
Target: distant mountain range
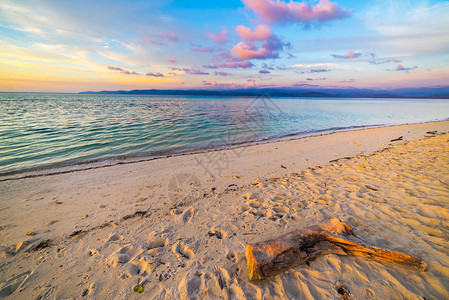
(438,92)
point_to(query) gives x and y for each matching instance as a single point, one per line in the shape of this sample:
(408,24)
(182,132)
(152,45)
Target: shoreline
(111,162)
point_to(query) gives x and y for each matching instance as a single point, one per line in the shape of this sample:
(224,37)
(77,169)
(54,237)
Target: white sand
(190,243)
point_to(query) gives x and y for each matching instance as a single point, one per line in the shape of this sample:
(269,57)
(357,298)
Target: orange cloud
(260,33)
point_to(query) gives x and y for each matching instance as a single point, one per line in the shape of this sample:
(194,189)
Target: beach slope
(178,227)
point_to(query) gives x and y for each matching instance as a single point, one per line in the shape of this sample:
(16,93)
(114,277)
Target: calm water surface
(39,131)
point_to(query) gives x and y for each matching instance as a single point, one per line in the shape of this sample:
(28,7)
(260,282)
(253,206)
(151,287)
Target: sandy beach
(179,226)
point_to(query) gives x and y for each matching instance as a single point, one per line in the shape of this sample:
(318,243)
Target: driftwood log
(270,257)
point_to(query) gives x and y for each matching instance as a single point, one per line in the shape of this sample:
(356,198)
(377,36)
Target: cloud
(282,68)
(351,80)
(221,86)
(171,60)
(402,68)
(202,49)
(250,83)
(267,67)
(219,38)
(264,72)
(260,33)
(194,71)
(321,66)
(211,66)
(231,64)
(123,71)
(249,49)
(314,71)
(157,74)
(312,79)
(223,74)
(190,71)
(296,12)
(384,61)
(347,56)
(317,68)
(259,43)
(246,51)
(209,83)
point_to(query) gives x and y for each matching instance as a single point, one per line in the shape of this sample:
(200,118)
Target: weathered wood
(270,257)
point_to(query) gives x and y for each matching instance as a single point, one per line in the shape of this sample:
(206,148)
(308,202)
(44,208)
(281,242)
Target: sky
(73,46)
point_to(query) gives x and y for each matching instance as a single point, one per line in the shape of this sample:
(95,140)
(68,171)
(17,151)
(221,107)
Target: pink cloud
(260,33)
(349,55)
(219,38)
(277,11)
(245,51)
(400,67)
(171,60)
(249,48)
(232,64)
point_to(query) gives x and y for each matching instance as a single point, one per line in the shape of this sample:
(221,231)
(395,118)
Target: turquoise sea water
(41,131)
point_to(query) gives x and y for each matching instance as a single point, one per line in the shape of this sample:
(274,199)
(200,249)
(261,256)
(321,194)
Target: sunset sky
(72,46)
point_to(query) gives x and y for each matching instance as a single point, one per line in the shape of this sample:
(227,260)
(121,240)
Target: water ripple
(39,131)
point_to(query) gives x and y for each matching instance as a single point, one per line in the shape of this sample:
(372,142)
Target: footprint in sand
(242,208)
(255,204)
(157,243)
(10,286)
(218,233)
(124,255)
(182,251)
(141,268)
(191,286)
(187,215)
(232,256)
(223,277)
(281,209)
(93,252)
(114,237)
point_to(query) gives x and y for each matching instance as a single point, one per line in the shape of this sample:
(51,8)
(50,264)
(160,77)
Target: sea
(41,132)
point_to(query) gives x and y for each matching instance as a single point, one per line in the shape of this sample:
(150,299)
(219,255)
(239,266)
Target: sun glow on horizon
(61,47)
